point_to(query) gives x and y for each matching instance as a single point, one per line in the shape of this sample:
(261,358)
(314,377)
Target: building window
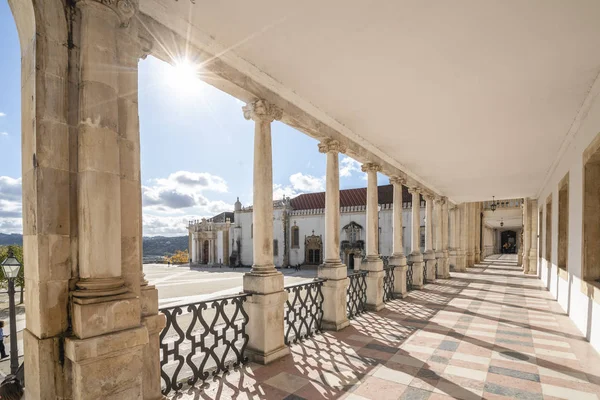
(295,237)
(422,238)
(591,211)
(275,247)
(563,222)
(549,230)
(251,231)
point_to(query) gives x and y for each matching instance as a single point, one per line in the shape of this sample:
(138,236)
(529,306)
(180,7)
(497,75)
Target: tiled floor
(491,333)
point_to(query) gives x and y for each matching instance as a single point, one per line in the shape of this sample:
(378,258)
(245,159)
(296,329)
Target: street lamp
(11,267)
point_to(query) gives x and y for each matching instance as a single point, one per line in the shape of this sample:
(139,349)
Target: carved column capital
(261,110)
(428,196)
(331,146)
(370,167)
(398,180)
(125,9)
(414,190)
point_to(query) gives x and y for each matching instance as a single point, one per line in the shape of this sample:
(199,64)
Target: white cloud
(2,114)
(164,225)
(10,205)
(299,183)
(184,189)
(348,166)
(5,134)
(11,225)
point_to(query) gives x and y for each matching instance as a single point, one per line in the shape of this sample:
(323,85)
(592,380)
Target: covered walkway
(490,333)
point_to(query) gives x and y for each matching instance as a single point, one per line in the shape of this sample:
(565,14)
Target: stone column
(462,228)
(373,262)
(445,274)
(468,232)
(415,256)
(335,273)
(533,249)
(429,255)
(438,224)
(193,248)
(526,235)
(398,258)
(478,232)
(453,239)
(106,350)
(264,282)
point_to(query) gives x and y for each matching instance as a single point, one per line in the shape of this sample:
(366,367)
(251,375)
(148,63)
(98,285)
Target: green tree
(18,253)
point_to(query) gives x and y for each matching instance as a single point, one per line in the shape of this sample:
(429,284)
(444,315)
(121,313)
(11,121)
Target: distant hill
(153,246)
(14,238)
(160,245)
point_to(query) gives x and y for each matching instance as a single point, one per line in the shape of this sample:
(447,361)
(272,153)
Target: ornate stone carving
(125,9)
(398,180)
(331,145)
(370,167)
(414,190)
(262,110)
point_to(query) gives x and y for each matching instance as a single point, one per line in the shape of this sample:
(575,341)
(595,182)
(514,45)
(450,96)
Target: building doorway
(205,252)
(508,244)
(314,249)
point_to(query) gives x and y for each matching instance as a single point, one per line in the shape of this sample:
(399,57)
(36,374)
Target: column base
(374,280)
(265,317)
(430,271)
(335,317)
(108,366)
(417,268)
(399,261)
(267,358)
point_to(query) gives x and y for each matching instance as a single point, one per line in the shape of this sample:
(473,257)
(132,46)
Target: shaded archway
(508,242)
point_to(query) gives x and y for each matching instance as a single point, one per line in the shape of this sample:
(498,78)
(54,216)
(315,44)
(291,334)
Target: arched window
(295,236)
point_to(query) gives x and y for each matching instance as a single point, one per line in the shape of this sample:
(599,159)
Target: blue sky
(196,147)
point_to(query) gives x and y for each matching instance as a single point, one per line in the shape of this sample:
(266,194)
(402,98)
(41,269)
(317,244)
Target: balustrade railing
(202,340)
(388,283)
(303,310)
(409,275)
(356,294)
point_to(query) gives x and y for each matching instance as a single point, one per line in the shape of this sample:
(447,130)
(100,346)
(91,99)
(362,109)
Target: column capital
(331,146)
(398,180)
(370,167)
(125,9)
(262,110)
(428,196)
(414,190)
(440,200)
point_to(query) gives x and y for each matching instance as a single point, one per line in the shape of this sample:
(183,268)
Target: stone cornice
(370,167)
(331,146)
(125,9)
(262,111)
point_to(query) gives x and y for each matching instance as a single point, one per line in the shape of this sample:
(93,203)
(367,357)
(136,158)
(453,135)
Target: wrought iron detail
(356,294)
(409,276)
(214,340)
(304,312)
(388,283)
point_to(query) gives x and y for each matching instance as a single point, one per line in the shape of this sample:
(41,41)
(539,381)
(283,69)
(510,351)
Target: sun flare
(184,76)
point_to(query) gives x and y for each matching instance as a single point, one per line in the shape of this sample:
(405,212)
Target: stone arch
(43,31)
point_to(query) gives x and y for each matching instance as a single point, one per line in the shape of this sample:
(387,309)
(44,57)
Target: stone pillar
(398,258)
(415,255)
(453,239)
(336,274)
(462,228)
(445,273)
(106,349)
(193,248)
(533,249)
(478,232)
(526,235)
(468,232)
(429,255)
(373,262)
(264,282)
(438,224)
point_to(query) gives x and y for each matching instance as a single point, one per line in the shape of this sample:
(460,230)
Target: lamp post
(11,267)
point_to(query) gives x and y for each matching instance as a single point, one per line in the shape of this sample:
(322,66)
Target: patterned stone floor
(490,333)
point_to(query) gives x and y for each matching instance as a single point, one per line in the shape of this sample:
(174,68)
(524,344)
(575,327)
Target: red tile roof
(348,198)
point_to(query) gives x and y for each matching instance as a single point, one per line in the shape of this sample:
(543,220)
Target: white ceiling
(512,218)
(475,97)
